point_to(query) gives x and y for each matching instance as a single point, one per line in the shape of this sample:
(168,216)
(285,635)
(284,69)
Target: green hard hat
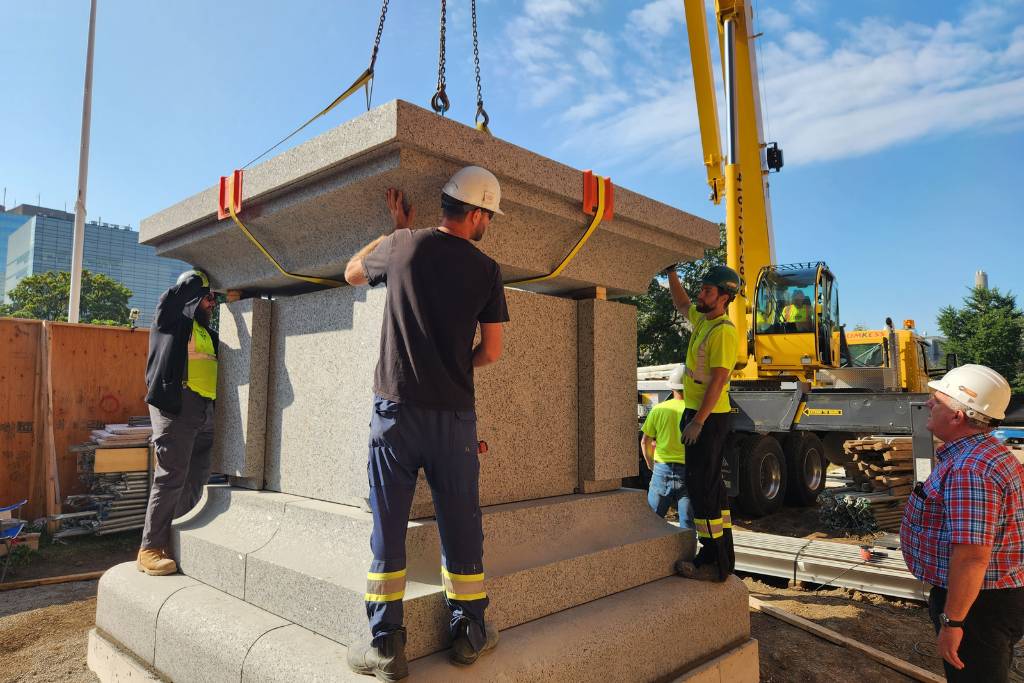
(195,272)
(723,277)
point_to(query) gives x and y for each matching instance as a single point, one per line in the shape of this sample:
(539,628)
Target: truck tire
(762,475)
(806,467)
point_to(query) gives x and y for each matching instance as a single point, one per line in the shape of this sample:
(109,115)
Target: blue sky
(902,122)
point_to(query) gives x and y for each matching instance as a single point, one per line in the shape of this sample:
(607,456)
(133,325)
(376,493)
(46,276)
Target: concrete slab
(203,635)
(315,205)
(114,664)
(323,354)
(213,540)
(595,642)
(607,390)
(534,556)
(239,442)
(128,602)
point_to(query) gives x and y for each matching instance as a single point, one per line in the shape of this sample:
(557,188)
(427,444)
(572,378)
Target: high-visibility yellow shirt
(712,345)
(202,363)
(794,314)
(662,425)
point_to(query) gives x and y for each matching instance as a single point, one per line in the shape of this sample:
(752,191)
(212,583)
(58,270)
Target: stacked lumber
(882,464)
(133,434)
(882,477)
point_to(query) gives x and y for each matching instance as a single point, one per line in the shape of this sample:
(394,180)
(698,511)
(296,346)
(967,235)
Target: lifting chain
(439,102)
(376,48)
(481,119)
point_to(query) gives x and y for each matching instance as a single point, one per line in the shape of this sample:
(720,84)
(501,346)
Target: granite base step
(306,561)
(185,631)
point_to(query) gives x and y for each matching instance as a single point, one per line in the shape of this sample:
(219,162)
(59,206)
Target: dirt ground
(76,556)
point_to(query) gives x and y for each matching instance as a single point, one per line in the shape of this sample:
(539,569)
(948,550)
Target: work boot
(382,656)
(463,653)
(155,562)
(703,572)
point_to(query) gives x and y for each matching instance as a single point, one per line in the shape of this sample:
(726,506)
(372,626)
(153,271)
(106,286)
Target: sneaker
(703,572)
(463,653)
(155,562)
(381,656)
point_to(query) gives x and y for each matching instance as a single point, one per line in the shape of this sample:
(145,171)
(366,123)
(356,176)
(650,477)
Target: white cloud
(806,7)
(805,43)
(772,19)
(537,39)
(596,54)
(874,86)
(656,19)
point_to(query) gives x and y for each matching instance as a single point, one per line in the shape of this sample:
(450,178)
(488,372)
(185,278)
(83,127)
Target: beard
(202,316)
(478,234)
(701,307)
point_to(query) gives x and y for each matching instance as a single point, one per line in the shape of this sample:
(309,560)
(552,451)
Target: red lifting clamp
(230,191)
(590,196)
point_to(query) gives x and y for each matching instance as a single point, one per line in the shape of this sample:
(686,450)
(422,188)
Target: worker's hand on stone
(948,643)
(401,212)
(691,432)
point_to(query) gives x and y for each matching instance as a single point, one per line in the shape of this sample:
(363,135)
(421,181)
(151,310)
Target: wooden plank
(99,378)
(121,460)
(51,474)
(20,477)
(894,663)
(50,580)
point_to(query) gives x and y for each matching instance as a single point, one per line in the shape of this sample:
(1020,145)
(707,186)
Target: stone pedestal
(579,571)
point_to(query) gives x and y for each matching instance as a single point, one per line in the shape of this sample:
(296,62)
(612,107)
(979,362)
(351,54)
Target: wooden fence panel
(20,422)
(97,377)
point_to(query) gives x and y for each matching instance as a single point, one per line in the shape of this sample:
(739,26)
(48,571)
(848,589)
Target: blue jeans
(668,488)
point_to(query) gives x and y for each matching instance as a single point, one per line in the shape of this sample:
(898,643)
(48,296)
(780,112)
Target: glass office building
(39,240)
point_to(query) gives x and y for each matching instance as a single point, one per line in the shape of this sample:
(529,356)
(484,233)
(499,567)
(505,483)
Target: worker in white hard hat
(963,528)
(665,453)
(440,290)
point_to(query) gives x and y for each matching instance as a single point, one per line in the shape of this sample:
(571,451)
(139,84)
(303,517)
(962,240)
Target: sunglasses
(209,296)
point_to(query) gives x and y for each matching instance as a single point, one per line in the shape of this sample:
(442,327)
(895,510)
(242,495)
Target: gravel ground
(43,633)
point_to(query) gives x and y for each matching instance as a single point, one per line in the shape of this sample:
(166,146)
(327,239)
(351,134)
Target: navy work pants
(404,438)
(711,514)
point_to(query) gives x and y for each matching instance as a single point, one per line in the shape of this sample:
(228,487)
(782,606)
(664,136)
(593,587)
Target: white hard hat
(983,390)
(476,186)
(675,378)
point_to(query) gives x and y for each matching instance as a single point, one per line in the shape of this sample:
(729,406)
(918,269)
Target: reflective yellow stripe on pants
(463,586)
(385,587)
(709,528)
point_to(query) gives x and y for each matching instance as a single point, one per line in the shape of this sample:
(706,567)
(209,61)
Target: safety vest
(794,314)
(702,373)
(202,363)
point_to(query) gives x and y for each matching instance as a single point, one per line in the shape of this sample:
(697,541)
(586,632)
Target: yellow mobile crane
(796,394)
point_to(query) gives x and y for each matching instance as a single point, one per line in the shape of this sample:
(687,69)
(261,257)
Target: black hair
(453,209)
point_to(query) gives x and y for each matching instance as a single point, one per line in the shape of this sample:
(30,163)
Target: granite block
(323,355)
(242,375)
(114,664)
(128,602)
(211,542)
(315,205)
(534,555)
(599,486)
(203,635)
(595,642)
(607,389)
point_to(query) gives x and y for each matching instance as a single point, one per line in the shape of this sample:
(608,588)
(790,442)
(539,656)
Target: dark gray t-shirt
(439,287)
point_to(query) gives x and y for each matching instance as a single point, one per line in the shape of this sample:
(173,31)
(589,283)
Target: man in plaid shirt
(963,528)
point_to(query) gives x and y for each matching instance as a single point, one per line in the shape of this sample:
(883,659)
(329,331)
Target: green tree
(45,297)
(989,330)
(661,334)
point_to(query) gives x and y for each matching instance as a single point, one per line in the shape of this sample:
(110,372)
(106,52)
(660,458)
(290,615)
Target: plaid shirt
(974,496)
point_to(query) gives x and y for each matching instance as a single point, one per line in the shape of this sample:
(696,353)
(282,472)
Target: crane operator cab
(796,321)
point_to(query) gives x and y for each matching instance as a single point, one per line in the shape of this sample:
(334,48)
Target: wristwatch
(949,623)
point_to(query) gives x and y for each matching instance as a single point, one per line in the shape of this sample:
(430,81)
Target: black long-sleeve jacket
(168,343)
